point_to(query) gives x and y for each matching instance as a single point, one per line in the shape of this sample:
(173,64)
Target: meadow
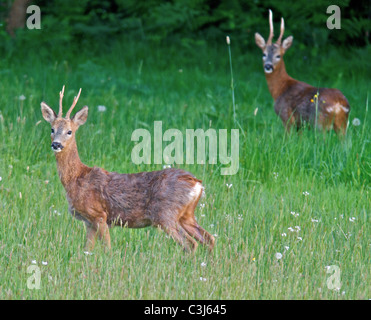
(299,203)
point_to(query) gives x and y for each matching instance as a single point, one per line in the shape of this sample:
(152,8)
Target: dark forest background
(188,22)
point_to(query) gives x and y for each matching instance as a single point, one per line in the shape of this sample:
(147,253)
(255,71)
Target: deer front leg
(97,229)
(91,236)
(103,233)
(288,120)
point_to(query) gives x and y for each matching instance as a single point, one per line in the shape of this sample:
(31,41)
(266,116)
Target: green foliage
(196,21)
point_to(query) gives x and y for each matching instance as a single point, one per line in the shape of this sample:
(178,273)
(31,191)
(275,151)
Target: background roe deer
(165,199)
(295,101)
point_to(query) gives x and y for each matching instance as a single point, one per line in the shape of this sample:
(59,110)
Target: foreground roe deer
(165,199)
(295,101)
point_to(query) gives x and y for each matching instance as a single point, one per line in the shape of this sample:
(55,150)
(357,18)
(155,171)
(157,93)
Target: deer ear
(48,113)
(81,116)
(287,42)
(259,40)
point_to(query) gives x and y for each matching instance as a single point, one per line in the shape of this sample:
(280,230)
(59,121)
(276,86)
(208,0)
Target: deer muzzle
(268,67)
(57,146)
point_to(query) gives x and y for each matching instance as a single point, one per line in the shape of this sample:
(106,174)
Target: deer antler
(269,41)
(282,31)
(75,99)
(60,103)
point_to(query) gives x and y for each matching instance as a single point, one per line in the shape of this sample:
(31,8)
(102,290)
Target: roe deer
(165,199)
(295,101)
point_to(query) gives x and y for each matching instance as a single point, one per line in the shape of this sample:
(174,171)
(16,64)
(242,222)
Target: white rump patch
(196,190)
(336,108)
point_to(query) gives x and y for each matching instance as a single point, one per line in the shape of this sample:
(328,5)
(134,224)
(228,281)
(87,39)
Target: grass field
(297,205)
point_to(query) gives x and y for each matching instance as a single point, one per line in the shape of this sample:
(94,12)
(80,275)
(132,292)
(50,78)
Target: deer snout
(268,67)
(57,146)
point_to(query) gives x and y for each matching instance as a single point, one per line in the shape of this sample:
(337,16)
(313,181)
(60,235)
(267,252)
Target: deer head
(63,129)
(273,53)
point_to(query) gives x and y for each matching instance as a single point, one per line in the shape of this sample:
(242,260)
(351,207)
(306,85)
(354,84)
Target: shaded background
(187,22)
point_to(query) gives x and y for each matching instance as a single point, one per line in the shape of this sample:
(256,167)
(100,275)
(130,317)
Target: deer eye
(278,57)
(69,132)
(52,130)
(264,55)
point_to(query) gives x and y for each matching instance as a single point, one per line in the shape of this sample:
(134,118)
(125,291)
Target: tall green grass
(315,185)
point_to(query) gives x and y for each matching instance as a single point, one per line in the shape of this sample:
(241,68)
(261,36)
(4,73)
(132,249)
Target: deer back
(146,198)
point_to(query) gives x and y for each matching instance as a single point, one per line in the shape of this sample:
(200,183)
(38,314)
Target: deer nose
(268,67)
(57,146)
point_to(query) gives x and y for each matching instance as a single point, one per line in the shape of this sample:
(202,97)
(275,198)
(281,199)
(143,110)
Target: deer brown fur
(295,101)
(165,199)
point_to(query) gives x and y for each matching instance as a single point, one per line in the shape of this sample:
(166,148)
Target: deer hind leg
(190,225)
(340,123)
(176,231)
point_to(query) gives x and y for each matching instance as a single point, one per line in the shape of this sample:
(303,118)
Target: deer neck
(278,80)
(69,165)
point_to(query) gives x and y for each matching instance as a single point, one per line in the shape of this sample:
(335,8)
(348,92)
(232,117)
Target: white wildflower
(352,219)
(22,97)
(102,108)
(278,255)
(229,185)
(283,234)
(203,279)
(44,263)
(203,264)
(294,214)
(306,193)
(314,220)
(356,122)
(33,262)
(166,166)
